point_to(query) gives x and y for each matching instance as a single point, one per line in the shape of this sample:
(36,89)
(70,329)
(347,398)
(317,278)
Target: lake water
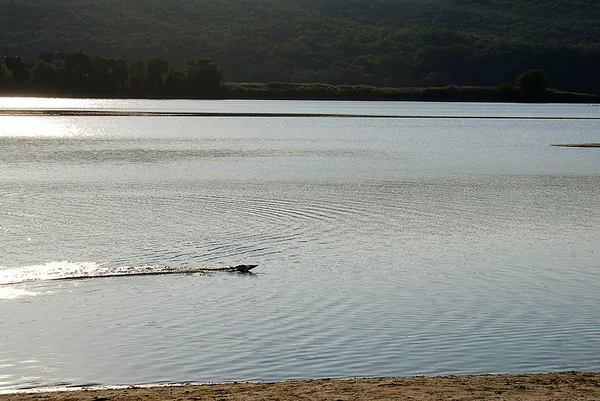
(434,243)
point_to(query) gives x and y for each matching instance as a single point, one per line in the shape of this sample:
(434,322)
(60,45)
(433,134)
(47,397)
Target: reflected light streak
(13,293)
(35,126)
(44,103)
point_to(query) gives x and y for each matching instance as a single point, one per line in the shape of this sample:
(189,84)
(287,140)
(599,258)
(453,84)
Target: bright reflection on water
(49,127)
(386,247)
(304,106)
(41,103)
(12,293)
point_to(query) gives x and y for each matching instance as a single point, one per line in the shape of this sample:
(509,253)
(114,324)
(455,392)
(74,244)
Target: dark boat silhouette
(230,269)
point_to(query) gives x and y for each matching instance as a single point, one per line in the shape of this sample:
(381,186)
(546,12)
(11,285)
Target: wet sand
(555,386)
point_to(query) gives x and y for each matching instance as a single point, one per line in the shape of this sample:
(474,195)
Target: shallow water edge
(551,386)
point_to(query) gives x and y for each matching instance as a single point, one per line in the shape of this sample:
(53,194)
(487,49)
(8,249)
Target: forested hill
(379,42)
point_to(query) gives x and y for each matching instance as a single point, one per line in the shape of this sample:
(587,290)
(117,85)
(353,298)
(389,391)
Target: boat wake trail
(87,270)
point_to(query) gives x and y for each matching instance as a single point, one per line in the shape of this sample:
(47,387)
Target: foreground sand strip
(556,386)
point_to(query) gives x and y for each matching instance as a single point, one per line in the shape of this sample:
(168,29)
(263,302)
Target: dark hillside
(564,21)
(377,42)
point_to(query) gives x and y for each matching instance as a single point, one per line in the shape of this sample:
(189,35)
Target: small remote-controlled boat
(243,268)
(232,269)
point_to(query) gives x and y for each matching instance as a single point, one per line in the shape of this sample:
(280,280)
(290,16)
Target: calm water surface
(387,247)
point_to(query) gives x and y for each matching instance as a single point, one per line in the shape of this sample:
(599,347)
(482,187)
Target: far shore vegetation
(380,43)
(82,75)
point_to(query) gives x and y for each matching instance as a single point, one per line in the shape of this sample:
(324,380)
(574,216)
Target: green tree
(532,84)
(202,75)
(95,80)
(175,82)
(137,77)
(17,69)
(5,76)
(117,74)
(44,75)
(156,72)
(77,69)
(107,75)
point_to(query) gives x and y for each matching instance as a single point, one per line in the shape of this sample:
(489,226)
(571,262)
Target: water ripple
(385,248)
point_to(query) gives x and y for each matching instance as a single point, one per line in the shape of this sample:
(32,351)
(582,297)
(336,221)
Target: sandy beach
(555,386)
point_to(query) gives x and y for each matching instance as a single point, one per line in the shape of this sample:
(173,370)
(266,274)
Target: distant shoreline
(318,91)
(539,387)
(118,113)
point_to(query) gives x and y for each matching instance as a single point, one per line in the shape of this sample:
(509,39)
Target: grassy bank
(508,93)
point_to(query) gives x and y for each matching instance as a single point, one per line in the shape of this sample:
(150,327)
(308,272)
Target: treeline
(82,75)
(411,43)
(531,86)
(79,74)
(451,93)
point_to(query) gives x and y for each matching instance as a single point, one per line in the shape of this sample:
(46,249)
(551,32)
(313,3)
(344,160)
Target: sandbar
(132,113)
(578,145)
(538,387)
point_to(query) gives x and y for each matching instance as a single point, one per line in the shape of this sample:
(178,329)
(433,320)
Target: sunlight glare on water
(13,293)
(43,103)
(45,127)
(47,271)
